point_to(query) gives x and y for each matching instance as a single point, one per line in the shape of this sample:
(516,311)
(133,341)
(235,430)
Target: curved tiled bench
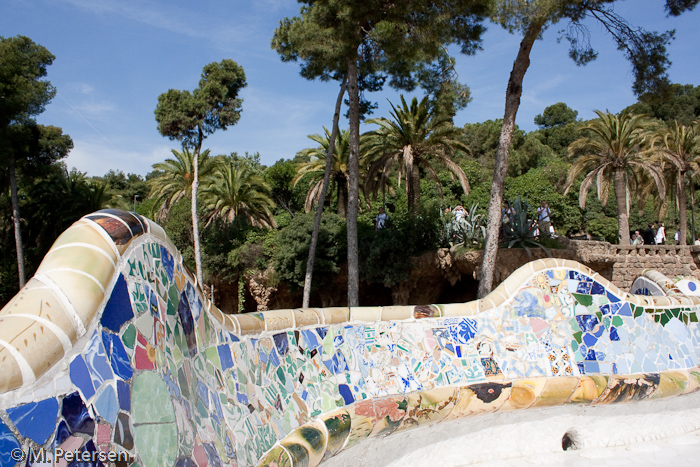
(112,348)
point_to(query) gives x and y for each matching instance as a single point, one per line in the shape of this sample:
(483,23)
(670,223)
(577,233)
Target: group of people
(544,220)
(652,236)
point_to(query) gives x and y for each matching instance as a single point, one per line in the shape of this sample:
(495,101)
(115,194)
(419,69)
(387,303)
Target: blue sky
(114,57)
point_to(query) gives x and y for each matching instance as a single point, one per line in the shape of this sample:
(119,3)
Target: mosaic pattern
(111,348)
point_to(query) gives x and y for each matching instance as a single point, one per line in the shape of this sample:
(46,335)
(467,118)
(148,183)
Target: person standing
(380,220)
(544,219)
(677,237)
(649,234)
(661,234)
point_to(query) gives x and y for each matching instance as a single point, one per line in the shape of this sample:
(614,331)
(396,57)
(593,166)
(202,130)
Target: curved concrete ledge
(115,345)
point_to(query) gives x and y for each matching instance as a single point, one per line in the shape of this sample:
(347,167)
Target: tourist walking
(677,237)
(661,234)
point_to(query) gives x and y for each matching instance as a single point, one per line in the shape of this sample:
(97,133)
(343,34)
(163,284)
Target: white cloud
(98,158)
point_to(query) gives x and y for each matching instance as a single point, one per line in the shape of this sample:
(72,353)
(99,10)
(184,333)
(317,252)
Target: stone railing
(112,353)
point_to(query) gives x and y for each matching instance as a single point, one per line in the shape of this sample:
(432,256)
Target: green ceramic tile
(577,336)
(129,336)
(617,321)
(585,300)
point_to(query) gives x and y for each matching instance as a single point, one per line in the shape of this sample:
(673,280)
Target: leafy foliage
(292,249)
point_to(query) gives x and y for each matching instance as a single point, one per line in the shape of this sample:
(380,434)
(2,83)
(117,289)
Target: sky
(115,57)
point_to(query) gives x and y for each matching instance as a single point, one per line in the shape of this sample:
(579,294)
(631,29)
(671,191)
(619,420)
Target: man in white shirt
(543,218)
(380,220)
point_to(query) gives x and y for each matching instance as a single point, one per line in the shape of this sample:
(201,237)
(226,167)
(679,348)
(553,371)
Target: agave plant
(520,231)
(469,230)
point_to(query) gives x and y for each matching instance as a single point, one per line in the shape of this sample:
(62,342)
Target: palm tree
(615,152)
(179,178)
(316,167)
(236,191)
(680,145)
(175,177)
(414,139)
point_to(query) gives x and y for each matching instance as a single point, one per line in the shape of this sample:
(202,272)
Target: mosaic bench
(111,355)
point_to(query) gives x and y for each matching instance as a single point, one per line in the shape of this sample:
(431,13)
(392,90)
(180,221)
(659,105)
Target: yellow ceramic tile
(10,371)
(40,347)
(557,391)
(35,299)
(79,258)
(458,309)
(368,314)
(307,443)
(83,293)
(278,320)
(249,323)
(693,380)
(589,389)
(671,383)
(524,393)
(86,233)
(307,317)
(391,313)
(335,315)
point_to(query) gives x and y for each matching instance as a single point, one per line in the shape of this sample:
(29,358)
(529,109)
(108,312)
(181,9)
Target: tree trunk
(683,210)
(322,198)
(513,93)
(413,185)
(623,221)
(342,183)
(692,207)
(195,217)
(16,220)
(354,187)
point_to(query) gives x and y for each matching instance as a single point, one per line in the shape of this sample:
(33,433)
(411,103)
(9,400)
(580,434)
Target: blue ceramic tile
(62,434)
(8,442)
(597,289)
(168,262)
(124,395)
(625,310)
(611,297)
(463,331)
(322,331)
(185,462)
(591,367)
(613,334)
(587,322)
(36,420)
(346,393)
(119,359)
(76,415)
(185,314)
(118,309)
(212,455)
(96,361)
(589,339)
(80,376)
(193,300)
(584,287)
(281,343)
(153,304)
(90,448)
(106,404)
(225,357)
